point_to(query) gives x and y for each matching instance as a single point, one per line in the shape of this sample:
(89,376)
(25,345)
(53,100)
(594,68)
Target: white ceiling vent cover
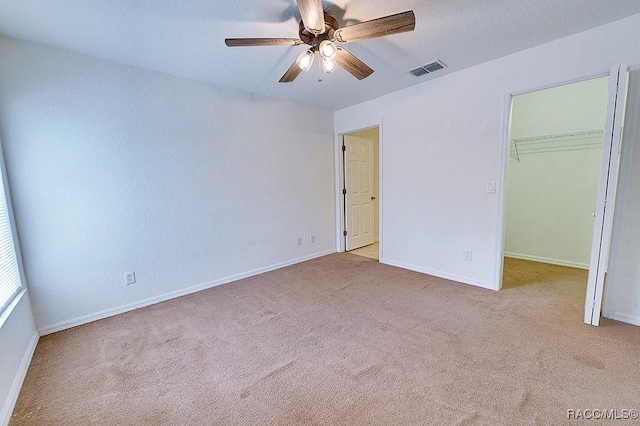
(428,68)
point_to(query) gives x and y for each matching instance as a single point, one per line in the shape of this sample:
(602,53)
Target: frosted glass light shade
(305,60)
(328,66)
(328,50)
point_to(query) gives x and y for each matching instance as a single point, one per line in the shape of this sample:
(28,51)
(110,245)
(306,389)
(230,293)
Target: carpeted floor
(342,340)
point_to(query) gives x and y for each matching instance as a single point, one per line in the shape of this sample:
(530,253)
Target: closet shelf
(559,142)
(596,132)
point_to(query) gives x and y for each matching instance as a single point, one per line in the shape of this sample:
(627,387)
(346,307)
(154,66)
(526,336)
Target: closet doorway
(559,170)
(361,192)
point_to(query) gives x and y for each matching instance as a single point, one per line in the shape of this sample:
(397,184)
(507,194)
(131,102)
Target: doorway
(361,192)
(562,165)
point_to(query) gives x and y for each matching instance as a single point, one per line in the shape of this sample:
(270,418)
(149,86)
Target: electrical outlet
(129,277)
(491,187)
(312,239)
(467,254)
(299,241)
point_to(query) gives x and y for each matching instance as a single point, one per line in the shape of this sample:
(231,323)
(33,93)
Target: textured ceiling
(186,37)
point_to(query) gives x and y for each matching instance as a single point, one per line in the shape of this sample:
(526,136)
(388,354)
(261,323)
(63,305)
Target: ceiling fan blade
(351,63)
(312,15)
(243,42)
(291,74)
(392,24)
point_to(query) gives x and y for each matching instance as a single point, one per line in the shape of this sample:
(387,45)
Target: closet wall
(553,172)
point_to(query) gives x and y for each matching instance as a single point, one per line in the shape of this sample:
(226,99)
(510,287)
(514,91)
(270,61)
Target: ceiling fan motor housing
(330,24)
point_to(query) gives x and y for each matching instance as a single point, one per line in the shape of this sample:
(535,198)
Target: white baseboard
(52,328)
(548,260)
(11,400)
(439,274)
(629,319)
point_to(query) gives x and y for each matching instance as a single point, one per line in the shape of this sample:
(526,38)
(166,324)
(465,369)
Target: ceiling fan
(320,31)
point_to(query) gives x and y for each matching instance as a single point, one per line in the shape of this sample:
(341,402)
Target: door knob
(373,198)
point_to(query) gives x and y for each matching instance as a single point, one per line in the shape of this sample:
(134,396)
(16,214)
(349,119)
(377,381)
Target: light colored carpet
(371,251)
(341,340)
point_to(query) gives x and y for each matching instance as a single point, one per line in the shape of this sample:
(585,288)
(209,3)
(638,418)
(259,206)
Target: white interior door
(360,196)
(603,217)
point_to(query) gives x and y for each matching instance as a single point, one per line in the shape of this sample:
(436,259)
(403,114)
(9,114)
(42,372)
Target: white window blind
(10,283)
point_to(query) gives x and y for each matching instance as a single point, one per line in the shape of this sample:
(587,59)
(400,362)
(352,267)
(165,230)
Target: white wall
(446,138)
(623,301)
(552,185)
(117,169)
(18,338)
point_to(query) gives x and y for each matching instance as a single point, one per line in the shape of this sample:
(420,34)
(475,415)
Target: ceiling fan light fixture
(321,31)
(305,60)
(328,50)
(329,65)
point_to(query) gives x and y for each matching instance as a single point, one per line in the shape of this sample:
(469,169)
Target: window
(10,284)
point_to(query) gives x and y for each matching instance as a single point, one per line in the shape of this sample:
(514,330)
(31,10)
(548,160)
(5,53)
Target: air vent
(428,68)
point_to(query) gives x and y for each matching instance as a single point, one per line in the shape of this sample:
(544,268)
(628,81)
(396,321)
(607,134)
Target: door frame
(624,180)
(339,186)
(506,152)
(606,195)
(367,202)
